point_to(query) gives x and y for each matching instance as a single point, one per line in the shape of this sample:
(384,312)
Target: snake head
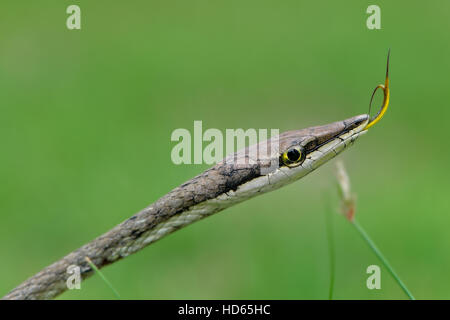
(289,156)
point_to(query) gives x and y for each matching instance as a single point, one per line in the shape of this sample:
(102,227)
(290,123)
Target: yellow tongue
(385,104)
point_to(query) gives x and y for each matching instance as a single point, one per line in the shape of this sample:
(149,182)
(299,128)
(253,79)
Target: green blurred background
(86,118)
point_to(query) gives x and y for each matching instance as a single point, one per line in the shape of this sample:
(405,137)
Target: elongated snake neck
(168,214)
(239,177)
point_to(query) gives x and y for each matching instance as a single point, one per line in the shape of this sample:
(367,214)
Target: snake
(252,171)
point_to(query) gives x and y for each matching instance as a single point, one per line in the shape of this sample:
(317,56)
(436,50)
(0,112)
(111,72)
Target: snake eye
(292,157)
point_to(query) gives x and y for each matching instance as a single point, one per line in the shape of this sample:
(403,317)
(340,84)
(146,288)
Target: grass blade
(348,210)
(93,266)
(331,253)
(382,258)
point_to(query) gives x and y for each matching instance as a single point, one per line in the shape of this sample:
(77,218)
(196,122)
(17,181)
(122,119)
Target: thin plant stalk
(382,258)
(93,266)
(348,209)
(331,253)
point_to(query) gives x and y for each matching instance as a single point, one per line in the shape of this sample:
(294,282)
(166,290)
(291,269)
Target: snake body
(237,178)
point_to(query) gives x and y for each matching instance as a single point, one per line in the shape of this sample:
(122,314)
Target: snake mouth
(354,127)
(356,123)
(339,131)
(344,138)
